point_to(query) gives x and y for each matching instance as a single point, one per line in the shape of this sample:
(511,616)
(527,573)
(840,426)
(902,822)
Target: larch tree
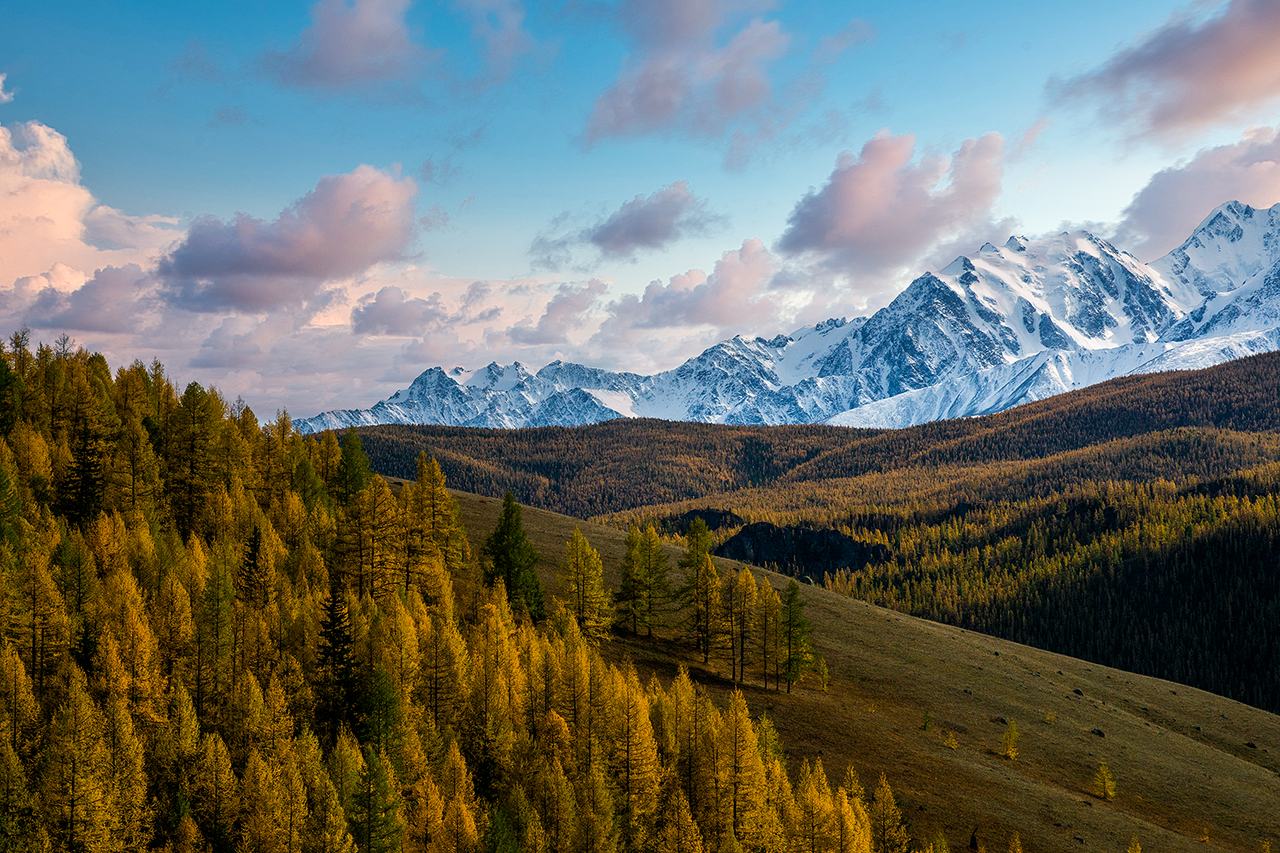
(853,826)
(582,576)
(634,759)
(817,829)
(739,607)
(75,781)
(215,792)
(677,833)
(768,610)
(744,771)
(888,835)
(706,621)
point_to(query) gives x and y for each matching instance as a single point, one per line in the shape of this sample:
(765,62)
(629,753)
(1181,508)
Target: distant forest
(1132,523)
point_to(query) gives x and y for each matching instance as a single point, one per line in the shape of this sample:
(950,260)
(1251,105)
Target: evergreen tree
(353,474)
(337,682)
(190,465)
(514,561)
(646,585)
(630,593)
(376,822)
(794,632)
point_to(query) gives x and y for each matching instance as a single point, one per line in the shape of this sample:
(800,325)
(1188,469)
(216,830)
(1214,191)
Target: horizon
(308,206)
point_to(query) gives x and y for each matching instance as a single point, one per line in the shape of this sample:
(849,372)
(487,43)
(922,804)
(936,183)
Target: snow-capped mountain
(1003,326)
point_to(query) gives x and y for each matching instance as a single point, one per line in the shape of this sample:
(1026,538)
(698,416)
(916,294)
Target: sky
(308,204)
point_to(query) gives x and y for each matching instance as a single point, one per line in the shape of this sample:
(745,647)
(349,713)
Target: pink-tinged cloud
(645,222)
(350,44)
(569,310)
(679,78)
(651,222)
(735,295)
(48,217)
(113,301)
(1164,212)
(1190,74)
(340,229)
(392,311)
(880,211)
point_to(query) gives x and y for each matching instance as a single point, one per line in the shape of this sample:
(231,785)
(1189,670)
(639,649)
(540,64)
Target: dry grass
(1181,757)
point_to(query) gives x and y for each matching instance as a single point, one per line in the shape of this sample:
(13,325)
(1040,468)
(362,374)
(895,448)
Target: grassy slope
(1179,754)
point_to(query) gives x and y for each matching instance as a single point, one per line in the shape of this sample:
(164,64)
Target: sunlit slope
(1186,762)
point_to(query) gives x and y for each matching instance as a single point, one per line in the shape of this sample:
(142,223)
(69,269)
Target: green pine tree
(514,560)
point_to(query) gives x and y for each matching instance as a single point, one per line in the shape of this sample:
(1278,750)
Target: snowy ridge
(1002,326)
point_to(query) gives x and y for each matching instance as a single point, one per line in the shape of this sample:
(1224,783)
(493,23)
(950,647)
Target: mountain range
(1003,326)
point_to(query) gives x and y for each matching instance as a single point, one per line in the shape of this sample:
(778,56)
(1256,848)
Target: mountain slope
(1003,326)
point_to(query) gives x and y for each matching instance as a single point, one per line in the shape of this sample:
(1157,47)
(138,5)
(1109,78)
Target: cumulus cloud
(344,226)
(350,44)
(568,311)
(114,301)
(734,293)
(679,78)
(746,292)
(654,221)
(392,311)
(880,211)
(48,217)
(5,97)
(1171,205)
(1189,74)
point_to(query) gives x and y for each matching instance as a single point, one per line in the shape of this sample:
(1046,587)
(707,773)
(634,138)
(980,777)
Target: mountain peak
(992,329)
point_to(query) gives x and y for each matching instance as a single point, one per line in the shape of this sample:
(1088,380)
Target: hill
(1133,523)
(596,470)
(1188,763)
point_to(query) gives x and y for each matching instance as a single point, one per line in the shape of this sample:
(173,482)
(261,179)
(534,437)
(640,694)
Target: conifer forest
(219,635)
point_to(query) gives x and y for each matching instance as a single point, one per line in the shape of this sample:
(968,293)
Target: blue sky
(307,204)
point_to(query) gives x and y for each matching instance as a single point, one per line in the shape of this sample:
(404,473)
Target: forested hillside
(598,470)
(1131,523)
(219,635)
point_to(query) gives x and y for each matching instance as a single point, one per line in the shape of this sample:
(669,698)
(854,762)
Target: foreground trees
(232,637)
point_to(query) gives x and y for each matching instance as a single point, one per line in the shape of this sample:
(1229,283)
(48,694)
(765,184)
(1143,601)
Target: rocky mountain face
(1005,325)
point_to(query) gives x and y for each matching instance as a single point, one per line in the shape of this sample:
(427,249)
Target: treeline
(220,635)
